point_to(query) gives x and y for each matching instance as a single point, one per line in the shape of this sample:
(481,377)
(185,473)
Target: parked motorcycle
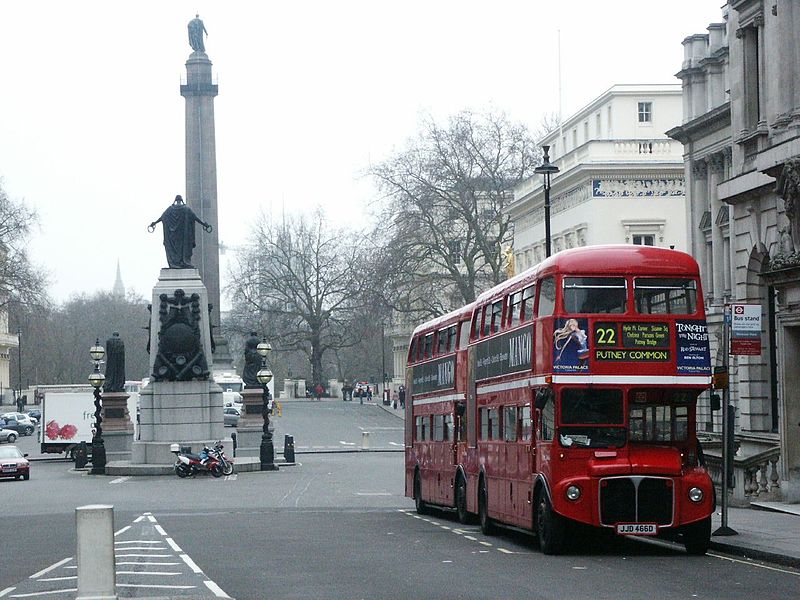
(187,464)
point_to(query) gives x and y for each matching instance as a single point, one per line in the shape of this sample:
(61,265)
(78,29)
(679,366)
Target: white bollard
(97,568)
(365,440)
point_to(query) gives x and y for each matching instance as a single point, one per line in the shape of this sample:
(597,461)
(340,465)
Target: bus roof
(446,319)
(617,259)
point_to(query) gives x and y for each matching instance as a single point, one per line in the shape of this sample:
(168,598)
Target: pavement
(768,531)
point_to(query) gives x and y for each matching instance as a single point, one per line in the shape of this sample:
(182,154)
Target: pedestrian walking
(402,396)
(394,399)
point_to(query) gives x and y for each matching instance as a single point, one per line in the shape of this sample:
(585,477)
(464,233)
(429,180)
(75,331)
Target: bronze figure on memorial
(178,223)
(115,364)
(252,361)
(196,31)
(180,355)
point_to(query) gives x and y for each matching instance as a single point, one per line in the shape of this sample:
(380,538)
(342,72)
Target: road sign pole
(727,432)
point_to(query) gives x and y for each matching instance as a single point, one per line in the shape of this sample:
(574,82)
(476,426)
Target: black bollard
(81,454)
(288,448)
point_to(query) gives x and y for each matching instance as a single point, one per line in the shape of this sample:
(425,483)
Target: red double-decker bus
(567,394)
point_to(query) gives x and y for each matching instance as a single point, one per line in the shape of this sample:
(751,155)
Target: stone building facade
(741,133)
(620,180)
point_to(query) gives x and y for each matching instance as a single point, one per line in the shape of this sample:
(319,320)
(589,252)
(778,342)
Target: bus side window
(527,303)
(441,341)
(412,351)
(547,296)
(487,320)
(428,346)
(451,338)
(510,423)
(463,338)
(524,416)
(497,315)
(514,315)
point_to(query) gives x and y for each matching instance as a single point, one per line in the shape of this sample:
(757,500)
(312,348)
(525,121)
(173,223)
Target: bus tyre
(461,500)
(697,537)
(487,525)
(419,504)
(549,526)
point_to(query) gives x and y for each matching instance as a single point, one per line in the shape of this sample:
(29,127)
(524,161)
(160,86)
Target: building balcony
(8,340)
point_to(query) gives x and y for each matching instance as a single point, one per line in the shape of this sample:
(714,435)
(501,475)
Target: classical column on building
(201,184)
(716,168)
(698,201)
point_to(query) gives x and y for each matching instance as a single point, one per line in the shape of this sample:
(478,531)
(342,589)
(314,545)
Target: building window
(575,138)
(598,126)
(455,251)
(645,112)
(750,74)
(586,131)
(644,240)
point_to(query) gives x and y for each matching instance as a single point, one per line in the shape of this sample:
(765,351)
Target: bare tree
(444,210)
(20,281)
(299,281)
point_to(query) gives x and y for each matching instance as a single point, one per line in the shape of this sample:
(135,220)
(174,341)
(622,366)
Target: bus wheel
(487,526)
(461,500)
(549,526)
(419,504)
(697,537)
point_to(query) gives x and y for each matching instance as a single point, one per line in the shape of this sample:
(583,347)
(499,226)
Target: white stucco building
(620,180)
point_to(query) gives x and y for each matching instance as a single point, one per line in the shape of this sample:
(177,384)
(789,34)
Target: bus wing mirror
(716,402)
(541,399)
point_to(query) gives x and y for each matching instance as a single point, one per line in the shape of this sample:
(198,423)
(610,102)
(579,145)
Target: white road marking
(394,444)
(148,573)
(148,548)
(173,545)
(118,480)
(139,519)
(504,551)
(139,541)
(485,544)
(347,443)
(58,578)
(469,537)
(158,587)
(143,555)
(160,530)
(192,565)
(373,494)
(50,568)
(43,593)
(752,564)
(216,589)
(231,477)
(8,590)
(151,518)
(144,562)
(123,530)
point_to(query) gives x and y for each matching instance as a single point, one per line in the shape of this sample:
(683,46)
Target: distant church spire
(119,288)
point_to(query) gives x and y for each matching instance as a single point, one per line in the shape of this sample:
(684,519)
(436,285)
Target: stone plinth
(184,412)
(189,281)
(117,425)
(251,423)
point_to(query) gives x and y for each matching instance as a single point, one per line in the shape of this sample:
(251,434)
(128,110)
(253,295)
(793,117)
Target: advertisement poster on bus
(434,376)
(570,346)
(746,329)
(505,354)
(692,347)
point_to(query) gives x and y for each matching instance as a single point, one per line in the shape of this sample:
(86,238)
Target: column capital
(699,168)
(716,162)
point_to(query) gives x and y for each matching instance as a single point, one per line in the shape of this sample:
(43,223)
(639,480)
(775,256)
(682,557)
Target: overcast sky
(310,92)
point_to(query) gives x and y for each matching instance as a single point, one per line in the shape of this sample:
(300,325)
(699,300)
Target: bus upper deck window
(665,296)
(527,302)
(451,337)
(463,337)
(497,315)
(514,302)
(547,297)
(441,341)
(428,346)
(591,295)
(487,321)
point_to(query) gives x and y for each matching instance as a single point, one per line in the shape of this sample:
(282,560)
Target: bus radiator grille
(636,500)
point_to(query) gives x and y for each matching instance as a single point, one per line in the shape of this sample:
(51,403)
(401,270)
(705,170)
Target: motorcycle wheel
(216,470)
(182,470)
(227,469)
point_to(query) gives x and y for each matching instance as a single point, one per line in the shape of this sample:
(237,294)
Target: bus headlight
(573,492)
(695,494)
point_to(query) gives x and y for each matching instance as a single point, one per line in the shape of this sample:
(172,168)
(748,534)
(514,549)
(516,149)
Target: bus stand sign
(746,329)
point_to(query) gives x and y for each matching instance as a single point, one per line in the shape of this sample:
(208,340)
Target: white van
(232,386)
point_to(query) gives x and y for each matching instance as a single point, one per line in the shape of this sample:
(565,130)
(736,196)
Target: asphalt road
(335,526)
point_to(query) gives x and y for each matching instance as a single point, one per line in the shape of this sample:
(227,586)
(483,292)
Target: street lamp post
(264,376)
(546,168)
(19,368)
(97,352)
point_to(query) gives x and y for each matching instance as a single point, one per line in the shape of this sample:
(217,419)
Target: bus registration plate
(637,529)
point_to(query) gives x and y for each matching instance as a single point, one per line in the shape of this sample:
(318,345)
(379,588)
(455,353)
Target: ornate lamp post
(97,352)
(264,376)
(546,168)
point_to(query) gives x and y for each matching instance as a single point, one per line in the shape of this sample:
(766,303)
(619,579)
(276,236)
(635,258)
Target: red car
(13,463)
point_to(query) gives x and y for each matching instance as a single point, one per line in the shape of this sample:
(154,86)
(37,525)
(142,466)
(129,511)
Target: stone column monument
(201,174)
